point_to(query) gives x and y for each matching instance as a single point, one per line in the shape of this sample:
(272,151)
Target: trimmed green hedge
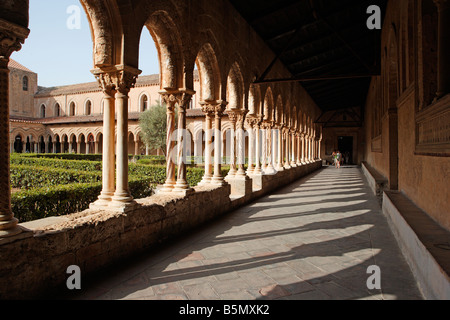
(62,200)
(60,190)
(54,201)
(63,156)
(28,177)
(83,165)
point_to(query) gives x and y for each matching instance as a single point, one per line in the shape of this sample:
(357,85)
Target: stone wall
(406,137)
(37,262)
(20,101)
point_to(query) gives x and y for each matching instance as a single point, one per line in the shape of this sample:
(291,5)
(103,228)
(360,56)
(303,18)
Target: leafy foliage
(153,123)
(54,187)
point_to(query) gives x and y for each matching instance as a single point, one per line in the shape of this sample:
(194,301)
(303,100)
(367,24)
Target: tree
(153,123)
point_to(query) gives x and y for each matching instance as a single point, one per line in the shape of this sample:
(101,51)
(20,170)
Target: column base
(182,187)
(104,200)
(257,171)
(269,170)
(205,181)
(230,177)
(9,228)
(218,181)
(184,192)
(122,206)
(167,187)
(15,234)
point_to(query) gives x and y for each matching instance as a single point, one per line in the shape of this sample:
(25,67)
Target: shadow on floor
(327,237)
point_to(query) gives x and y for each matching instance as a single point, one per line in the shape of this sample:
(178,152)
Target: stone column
(107,83)
(11,38)
(287,163)
(183,100)
(240,143)
(170,101)
(302,137)
(269,169)
(298,153)
(122,200)
(309,149)
(96,147)
(257,125)
(217,178)
(315,149)
(306,149)
(293,151)
(209,110)
(136,147)
(320,149)
(263,148)
(443,68)
(232,116)
(279,165)
(251,145)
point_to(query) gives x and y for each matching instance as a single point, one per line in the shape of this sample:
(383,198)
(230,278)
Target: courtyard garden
(45,185)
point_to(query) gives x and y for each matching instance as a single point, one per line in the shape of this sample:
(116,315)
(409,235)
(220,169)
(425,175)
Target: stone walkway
(314,239)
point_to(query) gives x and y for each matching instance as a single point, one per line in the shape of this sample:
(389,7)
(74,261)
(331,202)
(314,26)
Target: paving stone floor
(314,239)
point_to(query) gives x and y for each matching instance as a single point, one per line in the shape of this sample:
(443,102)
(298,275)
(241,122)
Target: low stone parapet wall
(35,262)
(376,181)
(424,244)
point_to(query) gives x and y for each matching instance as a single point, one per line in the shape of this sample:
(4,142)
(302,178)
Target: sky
(59,47)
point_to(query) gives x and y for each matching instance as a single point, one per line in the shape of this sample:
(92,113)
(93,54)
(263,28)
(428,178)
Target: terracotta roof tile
(13,64)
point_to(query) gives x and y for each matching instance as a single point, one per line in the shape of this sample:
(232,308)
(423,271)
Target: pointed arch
(268,104)
(169,47)
(209,73)
(254,100)
(235,88)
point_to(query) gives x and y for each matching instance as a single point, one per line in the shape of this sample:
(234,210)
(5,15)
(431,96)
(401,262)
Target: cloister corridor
(313,239)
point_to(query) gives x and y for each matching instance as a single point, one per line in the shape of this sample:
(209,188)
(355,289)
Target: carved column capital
(207,108)
(169,99)
(220,108)
(12,37)
(237,115)
(117,78)
(241,117)
(184,97)
(233,115)
(251,121)
(266,124)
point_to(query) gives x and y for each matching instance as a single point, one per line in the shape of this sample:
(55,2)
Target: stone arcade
(399,130)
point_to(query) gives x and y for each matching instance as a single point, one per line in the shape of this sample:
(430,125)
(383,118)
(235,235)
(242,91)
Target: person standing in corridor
(338,159)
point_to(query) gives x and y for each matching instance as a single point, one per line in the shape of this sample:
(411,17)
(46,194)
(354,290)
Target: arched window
(72,109)
(144,103)
(25,83)
(57,110)
(88,108)
(42,111)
